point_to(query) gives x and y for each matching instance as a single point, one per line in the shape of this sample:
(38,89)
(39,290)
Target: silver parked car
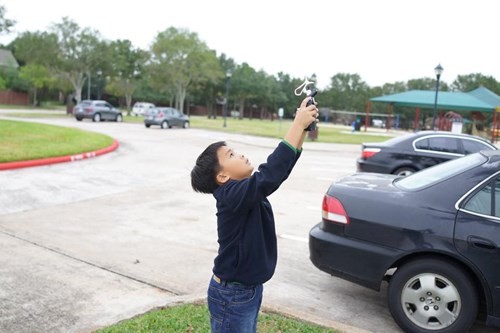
(141,108)
(166,118)
(97,110)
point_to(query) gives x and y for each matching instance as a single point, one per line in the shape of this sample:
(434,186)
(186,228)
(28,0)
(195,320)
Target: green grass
(36,115)
(55,106)
(195,318)
(26,141)
(274,129)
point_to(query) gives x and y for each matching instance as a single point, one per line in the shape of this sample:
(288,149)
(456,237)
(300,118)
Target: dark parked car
(97,110)
(165,118)
(413,152)
(434,236)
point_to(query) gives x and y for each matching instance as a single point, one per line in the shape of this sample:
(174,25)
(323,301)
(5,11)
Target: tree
(37,75)
(245,83)
(348,92)
(425,83)
(77,57)
(35,48)
(5,23)
(179,59)
(473,81)
(125,68)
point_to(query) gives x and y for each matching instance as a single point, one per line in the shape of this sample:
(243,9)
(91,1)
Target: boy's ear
(222,178)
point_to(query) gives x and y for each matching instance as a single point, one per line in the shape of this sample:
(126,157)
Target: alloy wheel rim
(431,301)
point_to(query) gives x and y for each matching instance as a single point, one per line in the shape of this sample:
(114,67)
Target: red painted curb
(59,159)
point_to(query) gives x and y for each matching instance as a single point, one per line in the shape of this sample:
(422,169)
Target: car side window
(422,144)
(487,200)
(444,144)
(108,105)
(471,146)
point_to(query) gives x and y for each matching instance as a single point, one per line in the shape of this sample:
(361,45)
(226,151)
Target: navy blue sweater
(245,220)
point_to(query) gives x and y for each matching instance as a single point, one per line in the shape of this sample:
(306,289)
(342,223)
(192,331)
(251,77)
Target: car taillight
(88,110)
(333,210)
(159,115)
(369,152)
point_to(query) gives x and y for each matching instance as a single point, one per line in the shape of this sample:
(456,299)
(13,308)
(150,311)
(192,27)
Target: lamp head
(438,70)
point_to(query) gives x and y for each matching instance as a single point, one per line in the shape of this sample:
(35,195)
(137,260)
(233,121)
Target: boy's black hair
(203,175)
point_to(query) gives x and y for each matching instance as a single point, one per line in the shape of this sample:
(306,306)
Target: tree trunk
(242,107)
(34,97)
(128,101)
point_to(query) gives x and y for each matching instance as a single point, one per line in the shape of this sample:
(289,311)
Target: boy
(245,223)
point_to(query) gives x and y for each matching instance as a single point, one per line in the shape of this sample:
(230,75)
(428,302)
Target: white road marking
(295,238)
(353,170)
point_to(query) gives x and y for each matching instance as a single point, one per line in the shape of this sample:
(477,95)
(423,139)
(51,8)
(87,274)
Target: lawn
(327,133)
(194,318)
(275,129)
(21,140)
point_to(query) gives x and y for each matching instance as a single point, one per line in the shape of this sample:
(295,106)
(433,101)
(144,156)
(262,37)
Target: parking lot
(90,243)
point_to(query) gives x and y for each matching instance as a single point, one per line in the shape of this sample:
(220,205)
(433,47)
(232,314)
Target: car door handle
(481,243)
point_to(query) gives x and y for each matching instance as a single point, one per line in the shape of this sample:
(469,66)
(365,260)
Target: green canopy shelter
(480,99)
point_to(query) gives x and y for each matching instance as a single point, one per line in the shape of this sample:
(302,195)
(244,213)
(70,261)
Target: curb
(58,159)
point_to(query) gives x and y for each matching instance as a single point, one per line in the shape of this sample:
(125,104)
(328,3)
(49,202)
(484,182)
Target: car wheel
(164,124)
(119,118)
(429,295)
(79,119)
(405,171)
(96,117)
(186,124)
(147,125)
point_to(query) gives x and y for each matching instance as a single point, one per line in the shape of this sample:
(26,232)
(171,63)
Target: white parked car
(141,108)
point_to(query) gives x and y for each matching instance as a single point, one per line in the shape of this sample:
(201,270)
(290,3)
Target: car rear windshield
(439,172)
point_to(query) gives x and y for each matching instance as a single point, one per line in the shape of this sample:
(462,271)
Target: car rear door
(102,109)
(433,150)
(176,117)
(477,234)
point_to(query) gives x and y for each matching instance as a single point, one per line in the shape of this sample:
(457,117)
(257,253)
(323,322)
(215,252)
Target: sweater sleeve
(246,193)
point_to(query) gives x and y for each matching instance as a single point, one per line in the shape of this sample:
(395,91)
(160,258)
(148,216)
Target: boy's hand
(305,115)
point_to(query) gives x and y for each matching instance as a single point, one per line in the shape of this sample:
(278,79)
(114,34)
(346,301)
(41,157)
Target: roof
(7,59)
(458,101)
(486,96)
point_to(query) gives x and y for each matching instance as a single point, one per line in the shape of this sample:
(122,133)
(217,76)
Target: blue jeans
(233,307)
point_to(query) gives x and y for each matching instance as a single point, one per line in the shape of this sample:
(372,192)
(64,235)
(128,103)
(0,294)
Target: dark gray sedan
(434,236)
(165,117)
(97,110)
(416,151)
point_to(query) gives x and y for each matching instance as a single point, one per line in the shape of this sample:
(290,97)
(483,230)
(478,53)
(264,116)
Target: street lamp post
(89,82)
(99,75)
(228,78)
(438,70)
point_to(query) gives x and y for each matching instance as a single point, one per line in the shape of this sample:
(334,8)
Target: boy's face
(233,165)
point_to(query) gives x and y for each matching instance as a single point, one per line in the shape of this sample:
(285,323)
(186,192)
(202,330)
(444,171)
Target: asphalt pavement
(89,243)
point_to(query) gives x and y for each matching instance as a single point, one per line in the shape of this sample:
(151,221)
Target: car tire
(185,124)
(431,295)
(119,118)
(164,124)
(147,125)
(404,171)
(79,119)
(96,118)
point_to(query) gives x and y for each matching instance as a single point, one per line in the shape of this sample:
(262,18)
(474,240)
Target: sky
(383,41)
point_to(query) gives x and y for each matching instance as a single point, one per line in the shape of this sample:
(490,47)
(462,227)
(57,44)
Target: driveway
(90,243)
